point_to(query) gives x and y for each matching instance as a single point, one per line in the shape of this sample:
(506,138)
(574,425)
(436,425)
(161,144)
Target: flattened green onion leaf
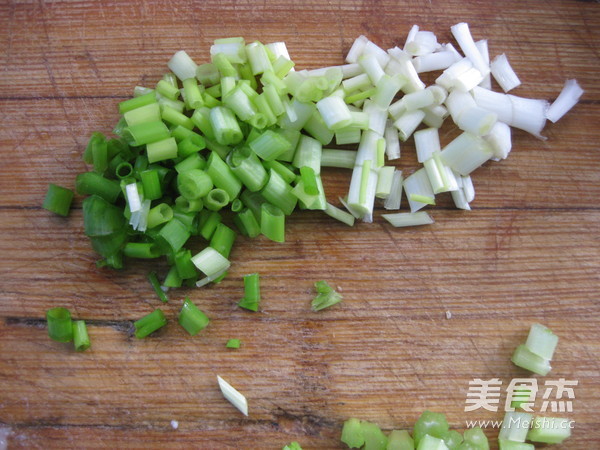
(191,318)
(149,323)
(58,200)
(60,325)
(326,296)
(157,287)
(81,340)
(408,219)
(233,396)
(233,343)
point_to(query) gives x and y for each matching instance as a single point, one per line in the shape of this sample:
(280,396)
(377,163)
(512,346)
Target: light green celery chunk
(374,437)
(541,341)
(352,433)
(523,357)
(474,439)
(550,430)
(453,439)
(515,426)
(432,424)
(428,442)
(400,440)
(511,445)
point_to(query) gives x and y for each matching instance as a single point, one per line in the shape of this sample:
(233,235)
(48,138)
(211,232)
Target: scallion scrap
(326,296)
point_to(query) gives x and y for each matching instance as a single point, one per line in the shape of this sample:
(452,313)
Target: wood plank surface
(528,252)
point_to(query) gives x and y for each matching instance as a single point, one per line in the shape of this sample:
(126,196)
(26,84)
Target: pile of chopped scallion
(237,144)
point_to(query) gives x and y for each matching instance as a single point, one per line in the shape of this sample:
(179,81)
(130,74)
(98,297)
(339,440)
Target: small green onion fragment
(222,239)
(216,199)
(81,340)
(58,200)
(157,288)
(191,318)
(149,323)
(310,180)
(326,296)
(60,325)
(251,298)
(233,343)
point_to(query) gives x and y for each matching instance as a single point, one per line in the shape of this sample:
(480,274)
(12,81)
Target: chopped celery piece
(326,296)
(523,357)
(550,430)
(541,341)
(428,442)
(515,426)
(233,343)
(503,444)
(400,440)
(374,437)
(432,424)
(352,433)
(292,446)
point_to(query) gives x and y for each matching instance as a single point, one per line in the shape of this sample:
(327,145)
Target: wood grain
(529,251)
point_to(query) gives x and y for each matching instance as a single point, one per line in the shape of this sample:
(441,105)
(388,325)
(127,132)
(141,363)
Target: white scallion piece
(466,153)
(386,89)
(182,65)
(392,202)
(568,97)
(504,74)
(541,341)
(411,36)
(367,149)
(418,190)
(408,122)
(351,210)
(476,120)
(234,49)
(377,116)
(392,142)
(434,116)
(397,108)
(133,197)
(467,187)
(463,36)
(496,102)
(350,70)
(279,49)
(460,200)
(499,139)
(210,262)
(434,61)
(529,114)
(482,46)
(408,219)
(457,102)
(450,48)
(439,94)
(357,49)
(385,178)
(335,112)
(234,397)
(358,82)
(139,219)
(339,214)
(422,43)
(373,49)
(435,176)
(449,75)
(398,54)
(371,66)
(348,135)
(427,142)
(418,99)
(468,79)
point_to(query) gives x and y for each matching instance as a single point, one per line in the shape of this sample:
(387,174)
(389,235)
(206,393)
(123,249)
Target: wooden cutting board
(527,252)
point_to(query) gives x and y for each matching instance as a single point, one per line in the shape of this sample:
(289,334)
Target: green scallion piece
(194,183)
(201,119)
(151,184)
(270,145)
(326,296)
(279,193)
(246,166)
(286,173)
(162,150)
(81,339)
(237,205)
(176,118)
(222,176)
(158,215)
(100,218)
(308,153)
(186,205)
(216,199)
(225,126)
(174,234)
(184,265)
(58,200)
(272,222)
(173,279)
(233,343)
(339,214)
(209,220)
(157,288)
(309,180)
(123,170)
(148,132)
(246,223)
(191,318)
(146,113)
(192,93)
(92,183)
(166,89)
(149,323)
(207,74)
(137,102)
(251,298)
(141,250)
(222,239)
(60,325)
